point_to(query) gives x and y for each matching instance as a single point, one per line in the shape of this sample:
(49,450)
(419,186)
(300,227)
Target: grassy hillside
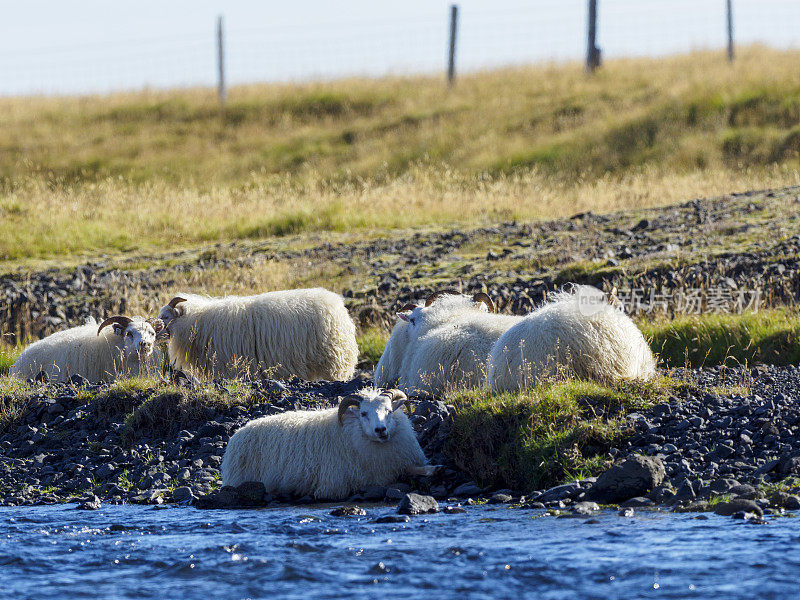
(163,169)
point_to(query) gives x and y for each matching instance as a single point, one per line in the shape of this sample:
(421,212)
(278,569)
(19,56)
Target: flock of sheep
(448,342)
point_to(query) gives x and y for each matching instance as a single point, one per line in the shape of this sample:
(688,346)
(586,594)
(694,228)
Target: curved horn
(430,299)
(351,400)
(397,398)
(116,320)
(407,306)
(481,297)
(175,301)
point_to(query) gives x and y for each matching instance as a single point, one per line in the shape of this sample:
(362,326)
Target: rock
(747,516)
(721,486)
(560,492)
(784,500)
(685,493)
(454,510)
(500,499)
(393,519)
(726,509)
(92,503)
(467,489)
(585,508)
(636,476)
(348,511)
(374,492)
(78,381)
(535,505)
(394,493)
(638,502)
(416,504)
(223,498)
(252,493)
(788,465)
(745,491)
(183,495)
(626,512)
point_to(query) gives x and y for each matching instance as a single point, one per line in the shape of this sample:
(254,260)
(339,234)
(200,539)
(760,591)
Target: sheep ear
(404,316)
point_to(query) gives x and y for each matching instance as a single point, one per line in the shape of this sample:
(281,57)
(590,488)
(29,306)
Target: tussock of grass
(15,395)
(551,433)
(769,337)
(110,173)
(171,408)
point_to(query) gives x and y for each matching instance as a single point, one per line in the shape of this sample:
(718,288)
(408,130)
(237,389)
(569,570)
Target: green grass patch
(15,395)
(371,344)
(553,432)
(8,354)
(769,337)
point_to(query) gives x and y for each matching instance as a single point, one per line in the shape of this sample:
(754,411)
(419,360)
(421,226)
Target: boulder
(417,504)
(726,509)
(635,476)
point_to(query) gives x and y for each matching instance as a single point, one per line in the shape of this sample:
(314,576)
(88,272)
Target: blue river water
(303,552)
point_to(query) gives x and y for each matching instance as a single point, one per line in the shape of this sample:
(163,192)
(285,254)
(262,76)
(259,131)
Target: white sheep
(442,345)
(328,454)
(304,333)
(577,333)
(127,349)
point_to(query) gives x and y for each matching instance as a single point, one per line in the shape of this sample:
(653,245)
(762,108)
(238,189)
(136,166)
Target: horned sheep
(443,344)
(306,333)
(577,333)
(97,353)
(328,454)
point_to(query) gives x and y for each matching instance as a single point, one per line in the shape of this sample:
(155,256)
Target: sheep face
(171,311)
(375,412)
(138,336)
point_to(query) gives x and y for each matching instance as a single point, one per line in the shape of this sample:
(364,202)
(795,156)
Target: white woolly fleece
(306,333)
(309,453)
(80,351)
(558,338)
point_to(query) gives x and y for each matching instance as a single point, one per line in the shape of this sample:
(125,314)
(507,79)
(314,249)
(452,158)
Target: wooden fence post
(592,51)
(451,57)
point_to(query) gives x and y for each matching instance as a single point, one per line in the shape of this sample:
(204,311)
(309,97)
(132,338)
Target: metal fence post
(729,7)
(220,63)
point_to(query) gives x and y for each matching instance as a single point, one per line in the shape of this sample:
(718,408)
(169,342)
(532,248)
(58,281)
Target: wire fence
(542,31)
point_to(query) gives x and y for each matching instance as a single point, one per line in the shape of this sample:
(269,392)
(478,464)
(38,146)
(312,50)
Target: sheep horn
(117,320)
(175,301)
(397,397)
(482,297)
(351,400)
(407,306)
(430,299)
(162,333)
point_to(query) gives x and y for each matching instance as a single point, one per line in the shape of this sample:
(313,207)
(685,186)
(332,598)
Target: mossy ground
(553,432)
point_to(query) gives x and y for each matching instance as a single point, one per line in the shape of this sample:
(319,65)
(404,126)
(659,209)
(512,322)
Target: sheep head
(138,336)
(171,311)
(375,414)
(442,304)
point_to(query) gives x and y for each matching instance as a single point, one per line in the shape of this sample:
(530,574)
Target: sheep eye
(363,413)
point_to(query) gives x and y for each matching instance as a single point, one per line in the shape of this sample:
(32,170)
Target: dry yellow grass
(156,170)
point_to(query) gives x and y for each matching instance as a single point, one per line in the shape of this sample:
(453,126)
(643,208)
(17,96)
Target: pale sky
(97,46)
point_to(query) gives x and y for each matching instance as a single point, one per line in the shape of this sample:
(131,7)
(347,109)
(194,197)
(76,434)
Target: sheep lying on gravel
(577,333)
(304,333)
(127,348)
(443,344)
(328,454)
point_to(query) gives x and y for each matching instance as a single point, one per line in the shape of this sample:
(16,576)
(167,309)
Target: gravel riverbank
(733,432)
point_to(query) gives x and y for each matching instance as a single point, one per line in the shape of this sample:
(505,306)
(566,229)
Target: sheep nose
(380,430)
